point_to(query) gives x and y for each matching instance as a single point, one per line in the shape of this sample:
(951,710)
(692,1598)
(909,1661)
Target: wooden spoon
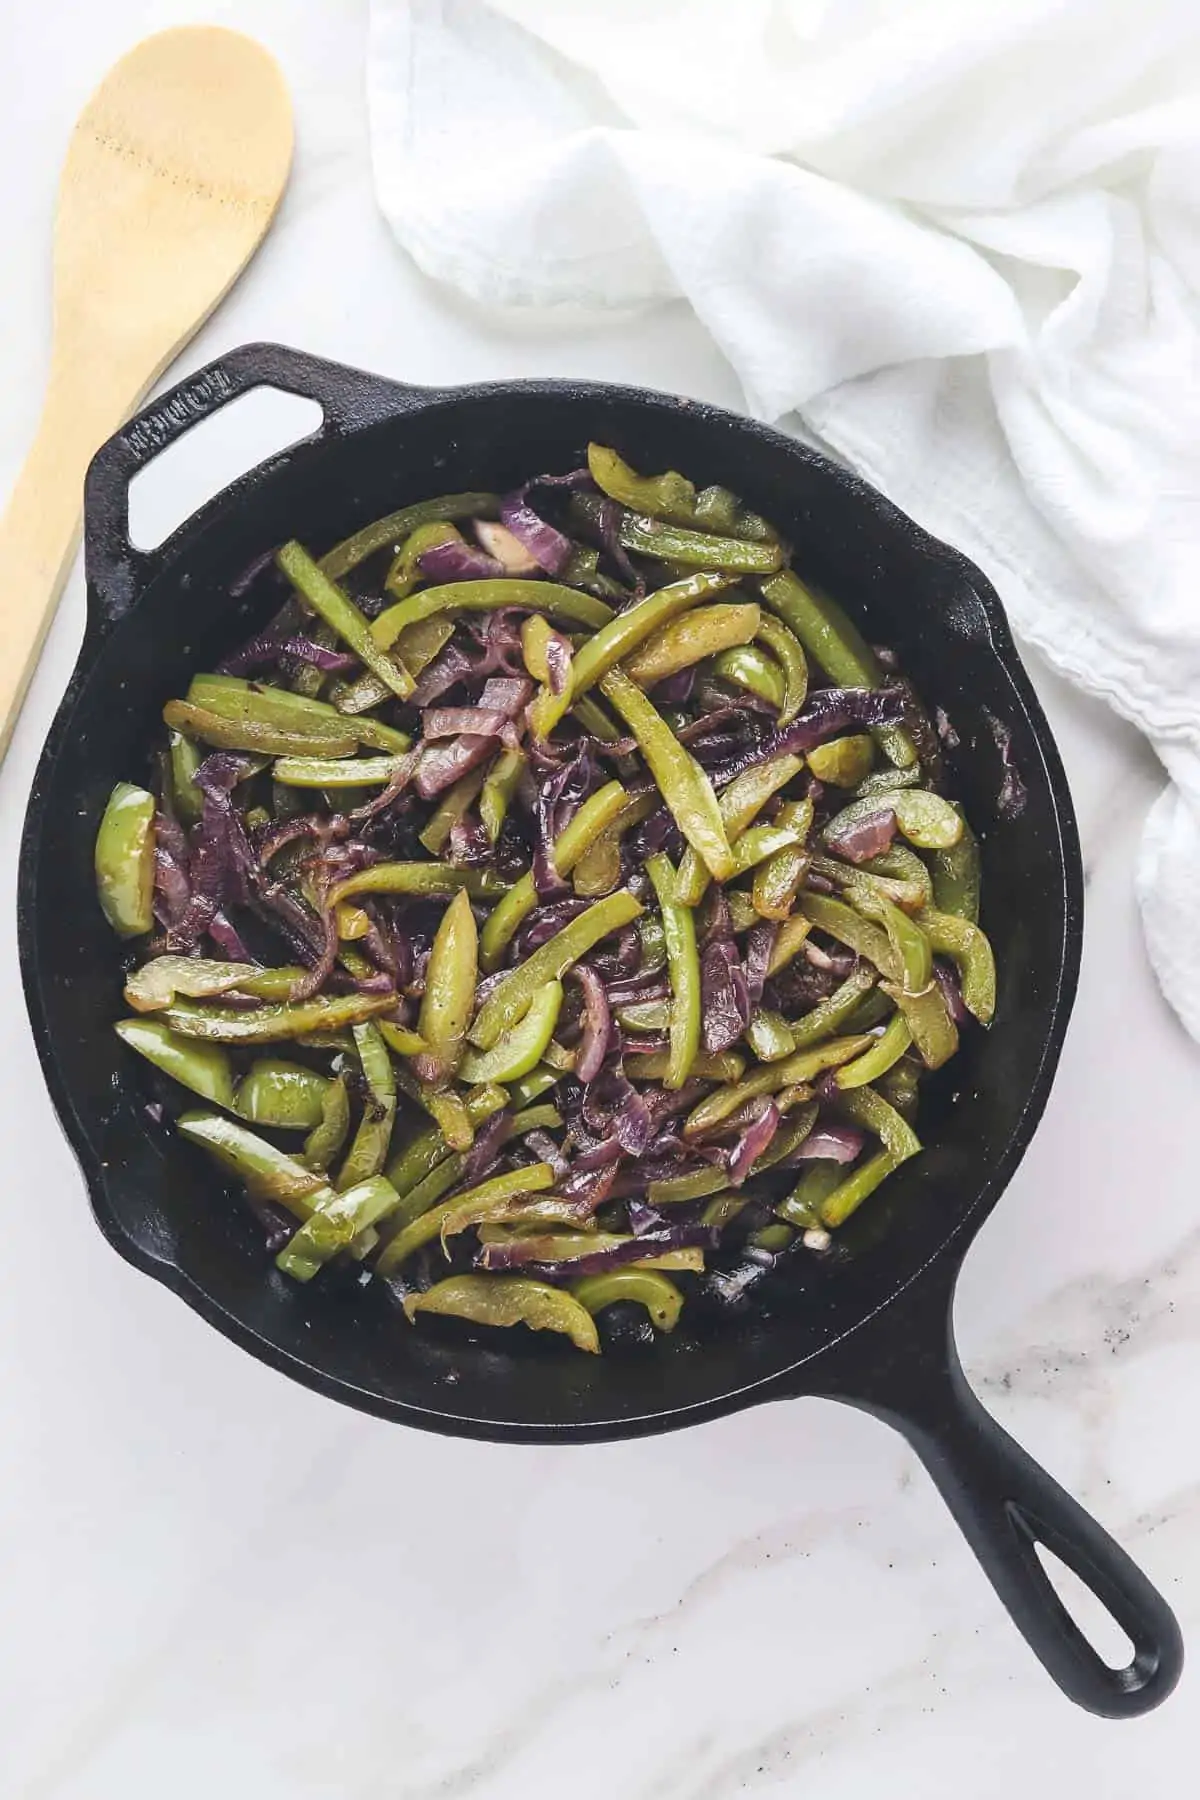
(173,174)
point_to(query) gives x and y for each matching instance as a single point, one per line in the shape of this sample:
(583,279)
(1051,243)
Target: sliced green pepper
(488,596)
(591,715)
(863,1106)
(740,804)
(405,571)
(875,1062)
(840,648)
(911,948)
(963,941)
(769,1035)
(686,641)
(844,761)
(849,927)
(650,537)
(683,964)
(905,868)
(793,1071)
(339,612)
(720,1065)
(599,868)
(453,806)
(204,1068)
(250,735)
(789,939)
(186,758)
(645,1015)
(268,1173)
(508,1300)
(368,1150)
(933,1030)
(232,698)
(779,879)
(901,1088)
(386,533)
(429,878)
(423,1154)
(853,1189)
(283,1095)
(751,668)
(926,820)
(598,811)
(535,1179)
(158,981)
(788,652)
(449,992)
(319,772)
(670,496)
(618,639)
(125,860)
(324,1141)
(681,781)
(274,1024)
(523,1045)
(550,962)
(802,1207)
(677,1189)
(660,1297)
(334,1224)
(500,784)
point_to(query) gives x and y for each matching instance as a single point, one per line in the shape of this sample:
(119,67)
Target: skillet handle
(1005,1505)
(116,570)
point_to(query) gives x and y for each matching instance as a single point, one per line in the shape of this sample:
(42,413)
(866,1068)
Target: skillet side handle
(349,398)
(1006,1504)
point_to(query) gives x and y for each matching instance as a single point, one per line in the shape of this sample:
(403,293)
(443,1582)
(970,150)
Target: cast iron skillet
(875,1328)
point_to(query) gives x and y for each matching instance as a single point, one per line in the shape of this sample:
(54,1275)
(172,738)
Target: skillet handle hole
(1112,1644)
(211,455)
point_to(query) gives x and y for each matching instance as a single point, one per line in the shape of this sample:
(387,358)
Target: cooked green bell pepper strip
(537,634)
(318,772)
(444,1171)
(591,715)
(844,761)
(618,639)
(863,1106)
(283,1095)
(268,1173)
(759,842)
(925,819)
(453,806)
(531,1087)
(791,1134)
(831,1014)
(386,533)
(901,1088)
(598,870)
(487,596)
(876,1061)
(911,949)
(854,880)
(570,1246)
(334,1225)
(337,609)
(722,1209)
(449,997)
(720,1065)
(204,1068)
(905,868)
(369,1147)
(802,1207)
(427,878)
(957,878)
(853,1189)
(793,1071)
(250,735)
(232,698)
(325,1140)
(675,1190)
(158,981)
(789,939)
(887,781)
(681,781)
(413,649)
(499,786)
(849,927)
(971,952)
(274,1024)
(933,1030)
(660,1297)
(769,1035)
(645,1015)
(550,962)
(352,921)
(508,1300)
(405,570)
(535,1179)
(687,640)
(788,652)
(271,984)
(751,668)
(449,1109)
(651,537)
(576,837)
(740,804)
(429,1148)
(683,965)
(779,879)
(124,860)
(523,1045)
(669,496)
(186,758)
(402,1040)
(838,646)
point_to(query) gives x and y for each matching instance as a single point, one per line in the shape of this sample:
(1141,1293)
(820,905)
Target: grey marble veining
(212,1582)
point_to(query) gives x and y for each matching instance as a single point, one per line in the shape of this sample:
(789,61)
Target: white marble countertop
(215,1582)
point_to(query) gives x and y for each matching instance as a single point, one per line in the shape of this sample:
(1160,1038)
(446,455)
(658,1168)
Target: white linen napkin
(957,240)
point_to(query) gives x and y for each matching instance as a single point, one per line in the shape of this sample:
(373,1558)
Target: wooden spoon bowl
(174,172)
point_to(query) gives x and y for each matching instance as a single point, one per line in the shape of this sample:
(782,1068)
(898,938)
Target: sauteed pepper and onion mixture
(554,907)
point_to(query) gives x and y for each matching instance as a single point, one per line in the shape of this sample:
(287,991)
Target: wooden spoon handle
(39,531)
